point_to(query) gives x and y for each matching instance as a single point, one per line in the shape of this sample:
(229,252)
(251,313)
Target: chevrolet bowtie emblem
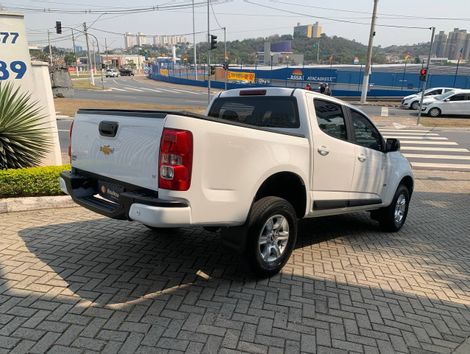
(106,149)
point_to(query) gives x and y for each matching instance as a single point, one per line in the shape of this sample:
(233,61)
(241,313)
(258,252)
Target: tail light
(176,160)
(70,143)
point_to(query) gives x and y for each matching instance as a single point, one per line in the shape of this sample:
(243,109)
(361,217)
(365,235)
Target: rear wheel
(272,233)
(393,217)
(434,112)
(414,105)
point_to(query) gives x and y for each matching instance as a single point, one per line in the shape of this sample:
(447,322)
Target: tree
(70,59)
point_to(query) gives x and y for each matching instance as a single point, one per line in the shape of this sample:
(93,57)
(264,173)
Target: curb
(11,205)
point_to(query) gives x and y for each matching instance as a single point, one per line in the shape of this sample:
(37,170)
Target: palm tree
(24,139)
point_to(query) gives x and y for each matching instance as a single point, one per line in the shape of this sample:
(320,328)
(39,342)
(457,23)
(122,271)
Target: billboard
(282,47)
(241,76)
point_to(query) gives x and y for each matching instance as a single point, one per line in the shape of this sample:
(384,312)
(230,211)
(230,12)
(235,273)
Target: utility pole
(208,55)
(50,47)
(433,29)
(225,57)
(318,51)
(365,82)
(90,67)
(74,53)
(194,43)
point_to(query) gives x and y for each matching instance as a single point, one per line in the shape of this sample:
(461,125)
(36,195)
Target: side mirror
(446,100)
(392,144)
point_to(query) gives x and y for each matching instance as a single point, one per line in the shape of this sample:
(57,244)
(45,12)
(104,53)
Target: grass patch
(31,182)
(70,106)
(445,122)
(84,84)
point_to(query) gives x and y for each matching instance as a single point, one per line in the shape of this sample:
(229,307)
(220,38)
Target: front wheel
(393,217)
(414,105)
(272,234)
(434,112)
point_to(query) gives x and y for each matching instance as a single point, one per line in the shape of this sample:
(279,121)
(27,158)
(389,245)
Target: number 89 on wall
(16,68)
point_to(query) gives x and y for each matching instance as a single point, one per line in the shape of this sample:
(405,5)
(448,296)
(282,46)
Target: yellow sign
(164,72)
(241,76)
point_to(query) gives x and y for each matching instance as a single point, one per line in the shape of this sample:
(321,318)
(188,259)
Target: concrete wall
(42,92)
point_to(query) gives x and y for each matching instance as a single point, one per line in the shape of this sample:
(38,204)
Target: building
(168,40)
(316,30)
(454,46)
(129,40)
(141,39)
(307,31)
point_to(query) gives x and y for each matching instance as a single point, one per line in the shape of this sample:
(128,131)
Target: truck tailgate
(122,145)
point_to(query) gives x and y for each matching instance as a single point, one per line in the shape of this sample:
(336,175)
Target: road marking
(149,89)
(413,134)
(132,89)
(441,165)
(404,130)
(421,142)
(185,91)
(416,137)
(438,157)
(421,148)
(384,112)
(117,89)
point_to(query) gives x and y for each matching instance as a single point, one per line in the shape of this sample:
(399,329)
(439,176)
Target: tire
(434,112)
(271,235)
(414,105)
(393,217)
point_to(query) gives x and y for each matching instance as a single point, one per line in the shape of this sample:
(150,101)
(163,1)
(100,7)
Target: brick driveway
(72,281)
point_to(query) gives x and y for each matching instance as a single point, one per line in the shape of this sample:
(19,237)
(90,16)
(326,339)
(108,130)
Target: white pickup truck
(258,161)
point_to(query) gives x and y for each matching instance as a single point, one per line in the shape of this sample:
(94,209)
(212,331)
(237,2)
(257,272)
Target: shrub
(31,182)
(23,137)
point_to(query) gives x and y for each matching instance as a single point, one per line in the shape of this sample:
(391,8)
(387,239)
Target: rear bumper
(133,204)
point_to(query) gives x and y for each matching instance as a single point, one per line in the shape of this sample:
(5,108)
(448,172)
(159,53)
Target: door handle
(362,158)
(323,151)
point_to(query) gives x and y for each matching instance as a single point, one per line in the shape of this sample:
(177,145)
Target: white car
(456,102)
(112,73)
(256,163)
(412,101)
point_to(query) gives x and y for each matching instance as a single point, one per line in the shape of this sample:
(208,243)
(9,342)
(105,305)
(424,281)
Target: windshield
(444,95)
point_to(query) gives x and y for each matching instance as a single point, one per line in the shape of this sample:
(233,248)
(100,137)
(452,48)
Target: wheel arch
(408,182)
(287,185)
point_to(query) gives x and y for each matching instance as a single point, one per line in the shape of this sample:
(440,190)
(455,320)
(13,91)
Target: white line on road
(438,157)
(132,89)
(117,89)
(384,112)
(441,165)
(415,134)
(421,142)
(149,89)
(416,137)
(391,130)
(186,91)
(421,148)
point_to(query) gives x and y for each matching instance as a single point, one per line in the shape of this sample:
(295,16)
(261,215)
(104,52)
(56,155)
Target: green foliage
(31,182)
(24,139)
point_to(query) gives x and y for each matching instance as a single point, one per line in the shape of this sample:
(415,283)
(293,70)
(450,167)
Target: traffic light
(58,27)
(213,41)
(212,70)
(422,74)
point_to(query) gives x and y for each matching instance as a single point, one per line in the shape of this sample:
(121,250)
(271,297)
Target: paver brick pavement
(72,281)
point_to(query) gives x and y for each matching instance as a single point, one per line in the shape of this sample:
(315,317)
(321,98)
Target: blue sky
(246,19)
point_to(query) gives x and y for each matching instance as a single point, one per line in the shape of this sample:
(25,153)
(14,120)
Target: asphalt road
(143,90)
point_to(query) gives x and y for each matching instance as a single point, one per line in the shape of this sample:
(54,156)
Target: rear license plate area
(110,191)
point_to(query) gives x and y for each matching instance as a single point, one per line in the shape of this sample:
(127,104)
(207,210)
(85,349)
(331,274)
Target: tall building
(129,40)
(466,54)
(168,40)
(440,45)
(307,31)
(456,43)
(141,39)
(316,30)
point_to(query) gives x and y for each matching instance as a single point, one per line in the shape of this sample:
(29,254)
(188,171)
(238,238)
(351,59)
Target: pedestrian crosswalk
(426,149)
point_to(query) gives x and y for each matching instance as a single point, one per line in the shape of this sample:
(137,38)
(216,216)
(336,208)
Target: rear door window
(260,111)
(330,118)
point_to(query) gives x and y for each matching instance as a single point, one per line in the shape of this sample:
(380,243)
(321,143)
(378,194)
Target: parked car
(256,163)
(412,101)
(456,102)
(126,72)
(111,73)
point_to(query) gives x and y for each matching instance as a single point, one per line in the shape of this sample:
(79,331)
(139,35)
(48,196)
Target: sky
(246,19)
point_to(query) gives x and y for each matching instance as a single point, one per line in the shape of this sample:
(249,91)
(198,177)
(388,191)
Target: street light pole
(90,68)
(365,82)
(75,53)
(208,55)
(225,57)
(433,29)
(194,43)
(50,47)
